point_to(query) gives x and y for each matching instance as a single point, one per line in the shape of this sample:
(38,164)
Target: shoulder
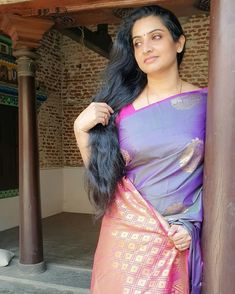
(187,87)
(124,112)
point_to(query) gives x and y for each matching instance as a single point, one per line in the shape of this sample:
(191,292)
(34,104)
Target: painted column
(31,245)
(219,178)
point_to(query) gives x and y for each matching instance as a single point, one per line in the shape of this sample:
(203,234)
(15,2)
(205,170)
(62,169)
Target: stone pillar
(219,176)
(31,245)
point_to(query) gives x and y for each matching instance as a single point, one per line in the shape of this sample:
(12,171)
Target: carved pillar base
(31,245)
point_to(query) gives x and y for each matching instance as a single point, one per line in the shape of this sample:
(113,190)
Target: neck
(164,84)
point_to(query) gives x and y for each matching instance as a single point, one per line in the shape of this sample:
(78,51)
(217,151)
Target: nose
(147,47)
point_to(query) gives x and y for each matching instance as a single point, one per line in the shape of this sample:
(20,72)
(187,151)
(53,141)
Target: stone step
(56,279)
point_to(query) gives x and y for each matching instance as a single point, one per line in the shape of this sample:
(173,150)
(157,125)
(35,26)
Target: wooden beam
(2,2)
(180,7)
(80,4)
(24,32)
(85,18)
(98,41)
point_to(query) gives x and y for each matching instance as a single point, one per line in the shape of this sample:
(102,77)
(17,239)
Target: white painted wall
(75,196)
(62,189)
(52,189)
(9,213)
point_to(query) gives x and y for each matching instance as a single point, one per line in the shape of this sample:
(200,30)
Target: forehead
(147,24)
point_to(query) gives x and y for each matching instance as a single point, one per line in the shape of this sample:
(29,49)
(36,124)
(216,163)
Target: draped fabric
(163,147)
(134,254)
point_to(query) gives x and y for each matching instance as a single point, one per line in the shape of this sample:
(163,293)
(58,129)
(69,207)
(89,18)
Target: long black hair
(123,81)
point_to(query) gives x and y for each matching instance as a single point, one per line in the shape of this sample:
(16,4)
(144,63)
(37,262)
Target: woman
(142,141)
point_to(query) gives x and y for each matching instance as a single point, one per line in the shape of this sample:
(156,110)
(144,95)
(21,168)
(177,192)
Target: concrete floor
(69,244)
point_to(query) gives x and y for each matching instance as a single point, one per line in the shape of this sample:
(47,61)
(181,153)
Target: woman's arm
(95,113)
(82,139)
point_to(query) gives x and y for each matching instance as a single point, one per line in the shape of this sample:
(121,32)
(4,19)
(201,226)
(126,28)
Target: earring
(179,50)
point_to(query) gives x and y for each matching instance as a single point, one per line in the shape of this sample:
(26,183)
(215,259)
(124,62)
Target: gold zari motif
(192,155)
(186,102)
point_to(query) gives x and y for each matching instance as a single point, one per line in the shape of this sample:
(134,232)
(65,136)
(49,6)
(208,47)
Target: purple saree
(163,147)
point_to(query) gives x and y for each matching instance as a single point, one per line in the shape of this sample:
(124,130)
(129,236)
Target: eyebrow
(148,33)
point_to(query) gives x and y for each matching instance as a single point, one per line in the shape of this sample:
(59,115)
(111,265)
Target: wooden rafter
(40,7)
(78,4)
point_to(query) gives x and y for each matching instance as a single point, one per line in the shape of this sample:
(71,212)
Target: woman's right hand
(95,113)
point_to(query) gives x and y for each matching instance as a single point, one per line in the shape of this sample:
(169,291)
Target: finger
(180,242)
(105,106)
(103,112)
(182,247)
(103,122)
(185,246)
(178,236)
(182,235)
(181,232)
(103,119)
(110,109)
(173,229)
(107,117)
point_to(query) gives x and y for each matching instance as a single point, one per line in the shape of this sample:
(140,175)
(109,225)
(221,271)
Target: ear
(180,44)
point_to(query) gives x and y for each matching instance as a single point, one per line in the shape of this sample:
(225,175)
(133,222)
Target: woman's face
(154,48)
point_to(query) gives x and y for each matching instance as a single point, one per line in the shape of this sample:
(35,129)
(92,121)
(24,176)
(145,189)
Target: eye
(137,44)
(156,37)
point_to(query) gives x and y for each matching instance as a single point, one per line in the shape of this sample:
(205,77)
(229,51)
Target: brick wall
(75,78)
(194,68)
(80,79)
(50,112)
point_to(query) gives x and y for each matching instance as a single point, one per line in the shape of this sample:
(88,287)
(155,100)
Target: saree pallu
(134,254)
(163,147)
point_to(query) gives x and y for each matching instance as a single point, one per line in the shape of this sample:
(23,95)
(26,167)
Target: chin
(156,68)
(149,71)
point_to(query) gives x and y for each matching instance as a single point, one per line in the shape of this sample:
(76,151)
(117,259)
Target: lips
(150,59)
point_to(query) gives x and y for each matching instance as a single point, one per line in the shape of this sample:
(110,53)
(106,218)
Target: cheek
(170,49)
(164,45)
